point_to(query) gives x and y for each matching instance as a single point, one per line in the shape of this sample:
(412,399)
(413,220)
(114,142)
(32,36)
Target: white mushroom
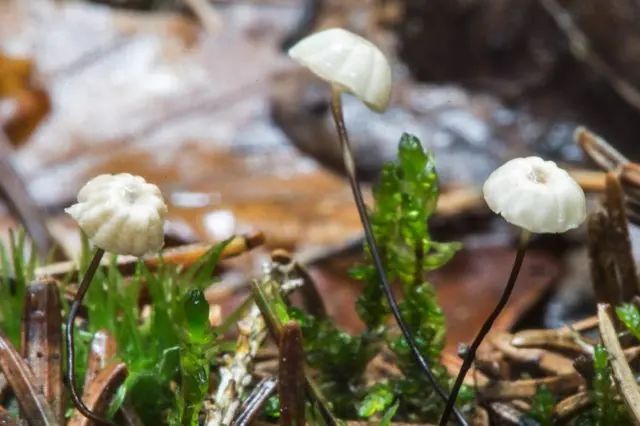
(348,61)
(121,214)
(352,64)
(536,195)
(539,197)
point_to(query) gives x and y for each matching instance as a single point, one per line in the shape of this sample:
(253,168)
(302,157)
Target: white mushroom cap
(536,195)
(349,61)
(121,214)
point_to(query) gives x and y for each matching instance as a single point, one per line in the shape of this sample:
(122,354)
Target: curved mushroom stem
(71,365)
(347,155)
(486,327)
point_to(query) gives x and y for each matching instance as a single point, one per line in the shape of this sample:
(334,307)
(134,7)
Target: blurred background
(199,97)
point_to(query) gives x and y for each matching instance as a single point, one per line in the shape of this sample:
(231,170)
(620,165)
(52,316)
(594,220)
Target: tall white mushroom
(351,64)
(348,63)
(538,197)
(122,214)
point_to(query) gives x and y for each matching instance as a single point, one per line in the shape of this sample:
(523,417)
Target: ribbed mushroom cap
(352,62)
(121,214)
(536,195)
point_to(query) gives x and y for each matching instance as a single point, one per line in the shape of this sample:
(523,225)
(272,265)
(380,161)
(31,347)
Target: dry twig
(553,339)
(184,256)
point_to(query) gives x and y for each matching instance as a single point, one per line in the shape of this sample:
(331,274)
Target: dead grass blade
(548,361)
(553,339)
(622,374)
(184,256)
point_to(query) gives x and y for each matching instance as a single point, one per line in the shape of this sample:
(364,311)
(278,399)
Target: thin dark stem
(336,110)
(486,327)
(71,365)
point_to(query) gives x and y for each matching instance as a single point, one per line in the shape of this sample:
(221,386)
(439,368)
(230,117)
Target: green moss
(405,198)
(542,406)
(630,316)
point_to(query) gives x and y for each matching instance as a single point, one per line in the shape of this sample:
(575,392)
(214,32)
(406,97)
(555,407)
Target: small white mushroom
(352,64)
(536,195)
(348,61)
(539,197)
(121,214)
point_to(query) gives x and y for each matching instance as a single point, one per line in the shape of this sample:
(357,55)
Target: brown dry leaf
(27,103)
(42,341)
(33,405)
